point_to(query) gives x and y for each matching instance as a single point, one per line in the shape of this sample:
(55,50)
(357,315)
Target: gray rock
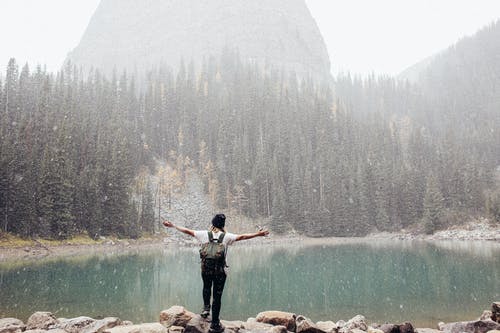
(389,328)
(141,328)
(340,323)
(277,329)
(197,325)
(495,312)
(176,316)
(487,314)
(306,325)
(99,326)
(135,35)
(427,330)
(327,326)
(75,325)
(253,325)
(11,325)
(374,330)
(357,322)
(286,319)
(41,320)
(406,328)
(401,328)
(176,329)
(233,326)
(127,323)
(479,326)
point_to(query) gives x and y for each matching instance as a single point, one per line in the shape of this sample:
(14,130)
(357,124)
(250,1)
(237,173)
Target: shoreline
(37,249)
(177,319)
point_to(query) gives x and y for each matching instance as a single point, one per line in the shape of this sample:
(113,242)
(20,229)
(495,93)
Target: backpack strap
(210,237)
(221,237)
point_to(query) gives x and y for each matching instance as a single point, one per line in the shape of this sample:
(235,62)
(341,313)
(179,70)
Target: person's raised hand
(168,224)
(263,232)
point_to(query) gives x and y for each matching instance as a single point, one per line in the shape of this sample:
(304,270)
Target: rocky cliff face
(137,35)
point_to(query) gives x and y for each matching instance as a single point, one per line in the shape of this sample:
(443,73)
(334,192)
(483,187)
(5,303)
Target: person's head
(219,221)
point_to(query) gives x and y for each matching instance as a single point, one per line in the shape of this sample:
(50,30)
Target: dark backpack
(213,254)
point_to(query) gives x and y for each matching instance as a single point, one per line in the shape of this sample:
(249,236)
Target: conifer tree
(433,205)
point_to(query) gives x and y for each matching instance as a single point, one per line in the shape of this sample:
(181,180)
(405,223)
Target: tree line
(266,143)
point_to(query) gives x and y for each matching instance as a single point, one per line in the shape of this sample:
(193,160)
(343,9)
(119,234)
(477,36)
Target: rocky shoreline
(177,319)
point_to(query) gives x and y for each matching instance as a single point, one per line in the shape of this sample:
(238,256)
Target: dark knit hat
(219,221)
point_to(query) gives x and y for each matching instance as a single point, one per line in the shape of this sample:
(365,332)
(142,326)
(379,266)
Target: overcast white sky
(362,36)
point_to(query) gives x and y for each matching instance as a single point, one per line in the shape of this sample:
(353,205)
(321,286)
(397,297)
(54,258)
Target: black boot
(205,312)
(216,327)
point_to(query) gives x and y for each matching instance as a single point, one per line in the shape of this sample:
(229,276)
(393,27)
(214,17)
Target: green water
(385,281)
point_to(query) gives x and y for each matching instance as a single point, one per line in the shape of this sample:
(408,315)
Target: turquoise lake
(390,281)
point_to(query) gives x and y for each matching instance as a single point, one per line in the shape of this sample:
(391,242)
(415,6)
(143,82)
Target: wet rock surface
(11,325)
(75,325)
(41,320)
(306,325)
(478,326)
(178,319)
(286,319)
(175,316)
(495,312)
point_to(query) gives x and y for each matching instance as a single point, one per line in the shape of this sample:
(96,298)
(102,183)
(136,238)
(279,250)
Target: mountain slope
(140,35)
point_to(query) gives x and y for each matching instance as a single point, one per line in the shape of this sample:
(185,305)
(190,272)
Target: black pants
(217,280)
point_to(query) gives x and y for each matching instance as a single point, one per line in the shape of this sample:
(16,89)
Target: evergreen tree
(433,205)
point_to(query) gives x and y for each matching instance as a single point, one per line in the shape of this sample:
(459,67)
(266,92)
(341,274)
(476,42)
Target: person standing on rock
(213,262)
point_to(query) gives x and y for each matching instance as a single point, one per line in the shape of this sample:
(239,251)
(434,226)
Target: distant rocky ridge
(475,55)
(179,320)
(138,35)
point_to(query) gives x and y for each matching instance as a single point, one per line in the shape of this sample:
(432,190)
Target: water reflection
(395,281)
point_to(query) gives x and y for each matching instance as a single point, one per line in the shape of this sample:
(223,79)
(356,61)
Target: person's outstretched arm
(260,233)
(187,231)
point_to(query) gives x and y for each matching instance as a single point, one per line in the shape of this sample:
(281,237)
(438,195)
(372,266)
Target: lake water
(390,281)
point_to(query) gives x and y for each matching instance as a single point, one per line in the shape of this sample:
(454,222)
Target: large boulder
(406,328)
(487,314)
(495,312)
(253,325)
(233,326)
(286,319)
(75,325)
(478,326)
(141,328)
(357,322)
(11,325)
(306,325)
(197,325)
(277,329)
(401,328)
(374,330)
(327,326)
(176,329)
(99,326)
(41,320)
(176,316)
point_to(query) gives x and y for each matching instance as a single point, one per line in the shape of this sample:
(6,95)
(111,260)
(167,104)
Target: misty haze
(225,133)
